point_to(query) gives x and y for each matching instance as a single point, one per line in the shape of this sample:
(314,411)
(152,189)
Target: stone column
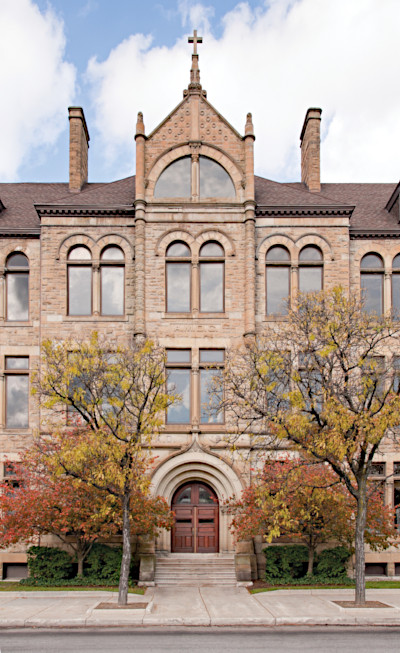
(294,284)
(96,288)
(387,294)
(250,236)
(195,394)
(2,401)
(195,298)
(2,294)
(140,229)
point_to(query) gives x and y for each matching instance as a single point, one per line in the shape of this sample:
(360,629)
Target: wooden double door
(196,519)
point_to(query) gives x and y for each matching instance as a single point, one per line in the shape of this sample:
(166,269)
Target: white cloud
(276,61)
(36,83)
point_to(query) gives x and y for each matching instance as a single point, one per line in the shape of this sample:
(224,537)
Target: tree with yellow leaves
(103,403)
(325,382)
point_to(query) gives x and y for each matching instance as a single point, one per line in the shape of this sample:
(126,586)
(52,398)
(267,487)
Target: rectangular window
(211,363)
(310,278)
(179,372)
(178,287)
(17,392)
(278,289)
(79,290)
(377,469)
(17,296)
(211,287)
(112,290)
(372,292)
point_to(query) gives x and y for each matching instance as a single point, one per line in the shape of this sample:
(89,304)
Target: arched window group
(373,275)
(279,272)
(192,177)
(17,287)
(89,293)
(193,285)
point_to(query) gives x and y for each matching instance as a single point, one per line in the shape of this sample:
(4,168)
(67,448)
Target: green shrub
(285,562)
(332,562)
(49,563)
(104,563)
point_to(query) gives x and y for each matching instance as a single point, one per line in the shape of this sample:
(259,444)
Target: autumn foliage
(305,502)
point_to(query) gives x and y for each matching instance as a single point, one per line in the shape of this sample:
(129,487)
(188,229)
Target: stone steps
(195,569)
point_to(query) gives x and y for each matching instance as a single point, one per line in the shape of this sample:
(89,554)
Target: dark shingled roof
(369,200)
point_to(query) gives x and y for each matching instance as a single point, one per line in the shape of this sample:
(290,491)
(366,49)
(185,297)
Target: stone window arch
(277,280)
(372,280)
(212,277)
(311,266)
(17,287)
(112,281)
(80,281)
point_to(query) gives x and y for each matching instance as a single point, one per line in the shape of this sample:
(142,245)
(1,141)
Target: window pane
(310,279)
(17,261)
(211,287)
(209,413)
(178,287)
(185,496)
(112,291)
(112,253)
(179,381)
(371,261)
(214,180)
(79,254)
(371,287)
(178,249)
(79,290)
(310,253)
(277,290)
(396,261)
(278,253)
(205,496)
(17,362)
(212,249)
(178,355)
(174,181)
(17,296)
(395,292)
(17,398)
(212,355)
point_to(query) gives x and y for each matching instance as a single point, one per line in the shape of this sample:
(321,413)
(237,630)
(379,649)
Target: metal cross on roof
(195,40)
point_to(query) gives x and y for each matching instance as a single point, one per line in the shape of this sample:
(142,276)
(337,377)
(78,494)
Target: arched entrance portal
(196,527)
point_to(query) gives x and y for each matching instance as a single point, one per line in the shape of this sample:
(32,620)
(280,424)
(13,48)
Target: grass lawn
(16,587)
(371,585)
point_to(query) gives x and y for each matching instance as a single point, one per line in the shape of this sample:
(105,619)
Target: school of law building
(197,252)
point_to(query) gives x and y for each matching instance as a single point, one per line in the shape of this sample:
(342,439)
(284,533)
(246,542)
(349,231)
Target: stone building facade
(195,251)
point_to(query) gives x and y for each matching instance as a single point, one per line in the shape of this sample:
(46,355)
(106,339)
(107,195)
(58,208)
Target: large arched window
(192,177)
(277,279)
(112,281)
(372,283)
(17,282)
(396,285)
(79,281)
(178,273)
(310,269)
(212,278)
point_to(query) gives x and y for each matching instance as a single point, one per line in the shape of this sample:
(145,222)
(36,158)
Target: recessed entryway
(196,511)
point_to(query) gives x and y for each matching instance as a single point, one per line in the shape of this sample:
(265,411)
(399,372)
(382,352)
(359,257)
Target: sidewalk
(196,606)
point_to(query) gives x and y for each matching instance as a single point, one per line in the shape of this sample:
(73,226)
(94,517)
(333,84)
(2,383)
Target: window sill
(12,431)
(188,428)
(95,318)
(191,316)
(17,323)
(275,318)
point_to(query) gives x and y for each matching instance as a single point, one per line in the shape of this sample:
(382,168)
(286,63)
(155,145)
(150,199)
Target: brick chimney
(78,149)
(310,150)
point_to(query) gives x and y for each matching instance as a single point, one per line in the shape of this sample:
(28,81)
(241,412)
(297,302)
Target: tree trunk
(361,519)
(79,557)
(126,550)
(311,553)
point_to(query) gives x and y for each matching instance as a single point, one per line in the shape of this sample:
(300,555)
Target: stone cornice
(304,210)
(21,232)
(374,233)
(65,209)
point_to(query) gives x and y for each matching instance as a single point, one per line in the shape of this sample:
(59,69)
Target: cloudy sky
(274,58)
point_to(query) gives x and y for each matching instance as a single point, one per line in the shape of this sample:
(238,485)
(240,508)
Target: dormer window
(194,177)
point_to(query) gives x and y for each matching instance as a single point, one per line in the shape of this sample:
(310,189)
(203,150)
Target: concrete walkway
(196,606)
